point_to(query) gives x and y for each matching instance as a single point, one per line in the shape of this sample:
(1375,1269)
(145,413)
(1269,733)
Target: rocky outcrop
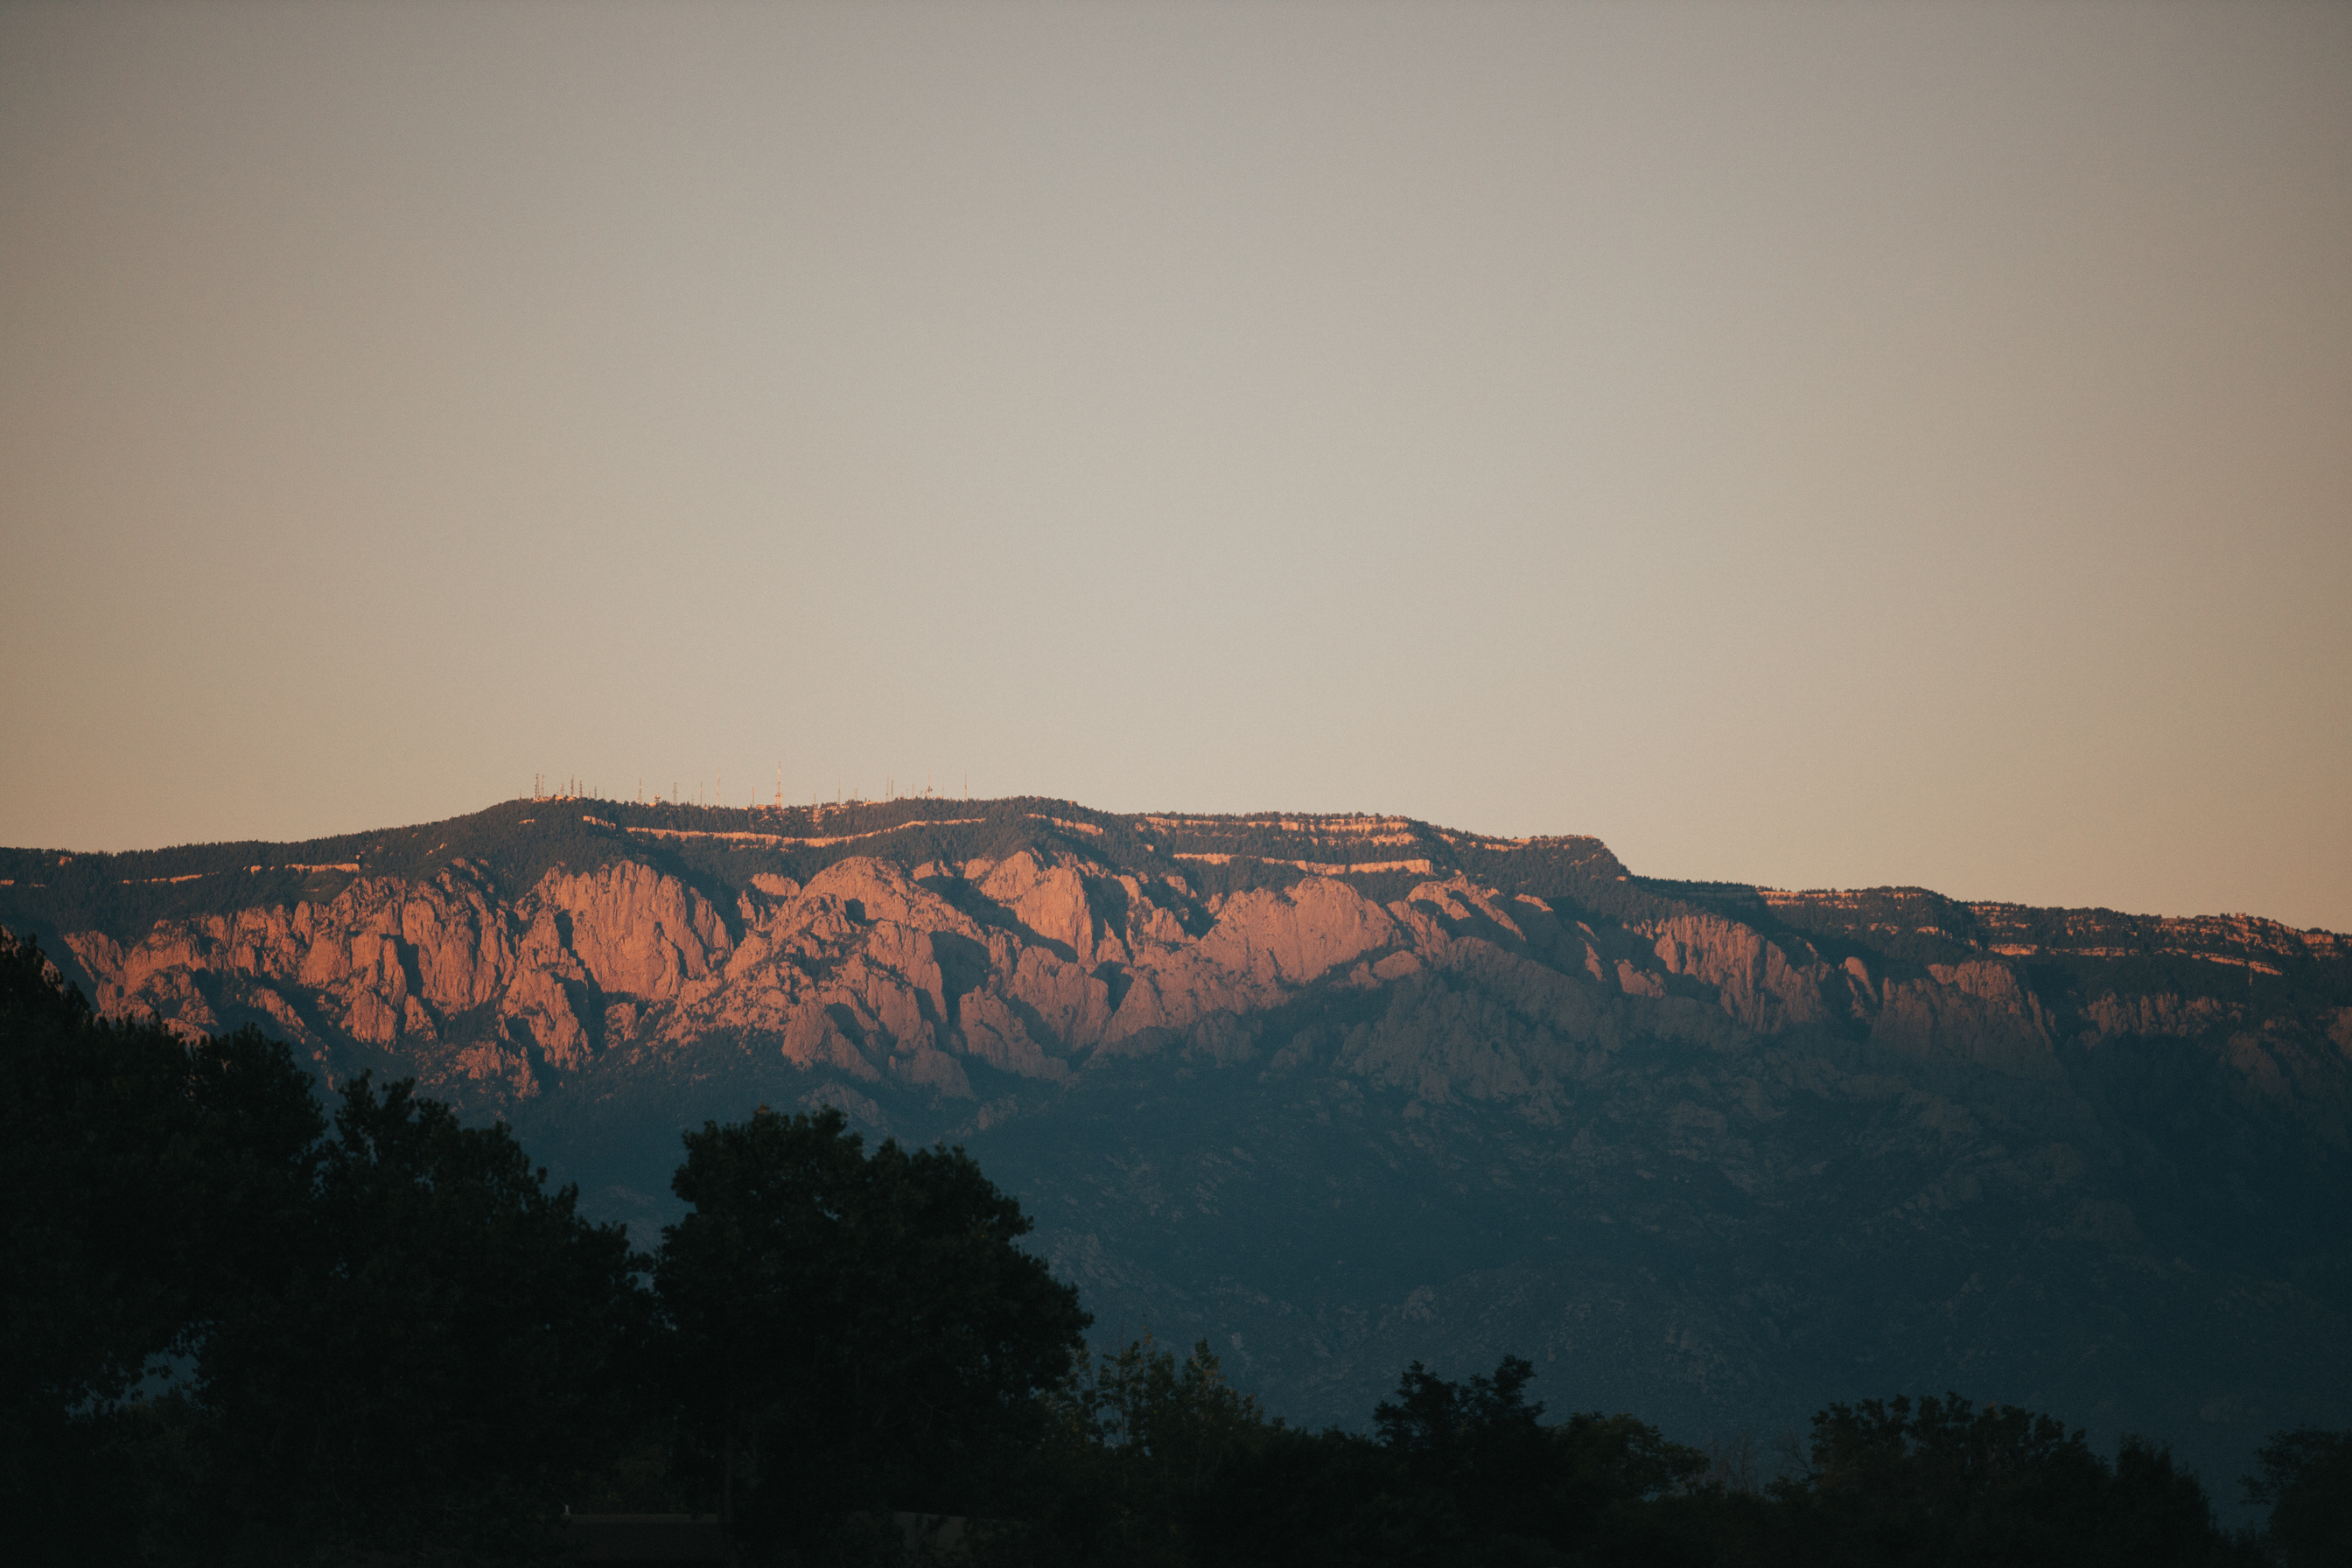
(2159,1013)
(1756,980)
(1977,1012)
(382,961)
(632,931)
(1027,965)
(394,965)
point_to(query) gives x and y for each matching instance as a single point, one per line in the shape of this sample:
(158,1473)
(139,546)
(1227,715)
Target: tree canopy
(145,1187)
(229,1336)
(2306,1479)
(852,1329)
(450,1347)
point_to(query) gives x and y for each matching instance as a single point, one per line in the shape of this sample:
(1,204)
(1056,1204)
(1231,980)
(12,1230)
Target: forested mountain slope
(1343,1093)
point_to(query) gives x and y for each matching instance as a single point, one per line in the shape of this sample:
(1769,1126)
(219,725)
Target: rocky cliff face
(399,964)
(1031,965)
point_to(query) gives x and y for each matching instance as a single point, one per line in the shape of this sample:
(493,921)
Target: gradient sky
(1813,444)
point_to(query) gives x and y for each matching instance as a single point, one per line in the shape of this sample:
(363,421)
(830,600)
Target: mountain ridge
(1344,1091)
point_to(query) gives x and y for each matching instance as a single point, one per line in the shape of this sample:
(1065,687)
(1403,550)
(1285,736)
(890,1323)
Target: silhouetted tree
(1320,1500)
(1479,1444)
(452,1349)
(1457,1473)
(1139,1404)
(1133,1438)
(1946,1481)
(2306,1480)
(1482,1445)
(145,1184)
(852,1334)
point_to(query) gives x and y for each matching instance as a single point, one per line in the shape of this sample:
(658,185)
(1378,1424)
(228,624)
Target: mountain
(1342,1092)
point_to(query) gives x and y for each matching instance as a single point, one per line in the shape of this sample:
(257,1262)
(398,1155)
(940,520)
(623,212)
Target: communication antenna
(779,786)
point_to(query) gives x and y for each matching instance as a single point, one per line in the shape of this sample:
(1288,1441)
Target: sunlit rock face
(1343,1092)
(1028,964)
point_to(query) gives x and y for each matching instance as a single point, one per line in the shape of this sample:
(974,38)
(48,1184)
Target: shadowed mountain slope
(1339,1092)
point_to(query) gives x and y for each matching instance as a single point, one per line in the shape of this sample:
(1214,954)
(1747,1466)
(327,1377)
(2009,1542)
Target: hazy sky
(1815,444)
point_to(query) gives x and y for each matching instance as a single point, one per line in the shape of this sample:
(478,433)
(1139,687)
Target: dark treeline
(238,1330)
